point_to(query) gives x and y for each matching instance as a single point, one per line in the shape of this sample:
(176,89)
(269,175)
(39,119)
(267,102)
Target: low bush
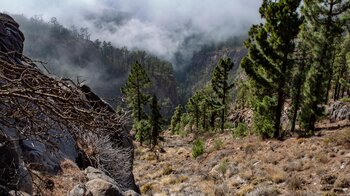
(197,148)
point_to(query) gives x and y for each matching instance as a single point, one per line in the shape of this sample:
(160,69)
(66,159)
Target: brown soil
(318,165)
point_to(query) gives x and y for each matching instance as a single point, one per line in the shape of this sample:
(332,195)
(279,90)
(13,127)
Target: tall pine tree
(156,122)
(269,61)
(221,85)
(324,23)
(135,91)
(342,68)
(175,120)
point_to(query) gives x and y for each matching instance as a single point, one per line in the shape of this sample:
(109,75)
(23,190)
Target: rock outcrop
(99,184)
(43,117)
(339,111)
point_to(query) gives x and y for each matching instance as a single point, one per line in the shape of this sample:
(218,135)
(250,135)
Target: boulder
(93,173)
(339,111)
(79,190)
(18,193)
(99,187)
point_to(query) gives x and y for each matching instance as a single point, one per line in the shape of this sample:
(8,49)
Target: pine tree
(156,122)
(175,120)
(342,68)
(193,109)
(303,60)
(221,85)
(324,23)
(135,93)
(269,61)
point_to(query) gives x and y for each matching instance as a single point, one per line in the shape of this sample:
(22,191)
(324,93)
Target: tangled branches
(32,104)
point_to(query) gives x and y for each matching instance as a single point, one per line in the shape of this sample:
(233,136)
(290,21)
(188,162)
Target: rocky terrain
(318,165)
(47,121)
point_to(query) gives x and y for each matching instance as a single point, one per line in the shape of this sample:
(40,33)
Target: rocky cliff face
(45,120)
(202,64)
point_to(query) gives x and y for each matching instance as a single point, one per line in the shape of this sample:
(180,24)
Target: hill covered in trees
(70,53)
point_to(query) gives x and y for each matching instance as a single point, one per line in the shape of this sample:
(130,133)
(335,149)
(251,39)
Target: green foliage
(176,120)
(221,85)
(263,118)
(218,144)
(197,148)
(324,26)
(143,130)
(271,45)
(241,130)
(135,91)
(202,109)
(345,99)
(244,92)
(223,167)
(156,122)
(299,71)
(342,68)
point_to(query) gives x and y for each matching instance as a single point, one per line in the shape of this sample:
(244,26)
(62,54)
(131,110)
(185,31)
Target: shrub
(110,158)
(223,167)
(197,148)
(240,130)
(264,117)
(345,99)
(295,183)
(218,144)
(143,128)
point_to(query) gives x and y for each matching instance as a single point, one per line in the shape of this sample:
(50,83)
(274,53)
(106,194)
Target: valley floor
(318,165)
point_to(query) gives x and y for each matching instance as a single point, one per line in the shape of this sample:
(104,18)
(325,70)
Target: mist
(160,27)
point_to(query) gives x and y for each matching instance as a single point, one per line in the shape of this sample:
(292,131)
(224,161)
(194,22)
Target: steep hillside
(317,165)
(71,53)
(199,71)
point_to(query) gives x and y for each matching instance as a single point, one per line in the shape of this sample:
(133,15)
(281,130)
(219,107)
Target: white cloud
(157,26)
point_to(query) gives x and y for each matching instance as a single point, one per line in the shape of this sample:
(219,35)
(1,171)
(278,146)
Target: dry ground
(318,165)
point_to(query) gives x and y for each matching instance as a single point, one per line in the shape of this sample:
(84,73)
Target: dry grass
(295,183)
(245,190)
(276,174)
(246,174)
(322,158)
(60,184)
(293,167)
(343,181)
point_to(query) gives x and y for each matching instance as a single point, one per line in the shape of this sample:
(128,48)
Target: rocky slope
(46,121)
(318,165)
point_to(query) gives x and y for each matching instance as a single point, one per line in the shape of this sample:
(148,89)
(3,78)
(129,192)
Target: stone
(99,187)
(78,190)
(347,155)
(93,173)
(18,193)
(130,193)
(339,111)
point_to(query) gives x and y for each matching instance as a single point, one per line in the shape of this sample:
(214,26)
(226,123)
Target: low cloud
(161,27)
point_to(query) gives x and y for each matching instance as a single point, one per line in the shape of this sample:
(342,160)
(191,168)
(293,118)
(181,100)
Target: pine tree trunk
(295,109)
(280,103)
(277,132)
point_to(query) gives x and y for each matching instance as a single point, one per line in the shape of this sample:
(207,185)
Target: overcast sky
(161,27)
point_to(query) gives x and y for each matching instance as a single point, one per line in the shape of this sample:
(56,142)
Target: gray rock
(93,173)
(339,111)
(25,182)
(48,158)
(99,187)
(79,190)
(130,193)
(18,193)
